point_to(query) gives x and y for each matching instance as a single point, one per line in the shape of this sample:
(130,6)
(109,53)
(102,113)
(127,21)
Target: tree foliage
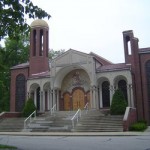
(16,50)
(12,16)
(29,108)
(54,53)
(14,53)
(119,103)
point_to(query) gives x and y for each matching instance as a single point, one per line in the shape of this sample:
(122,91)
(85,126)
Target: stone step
(59,121)
(95,121)
(12,124)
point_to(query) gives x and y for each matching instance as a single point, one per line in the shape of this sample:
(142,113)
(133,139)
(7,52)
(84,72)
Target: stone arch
(46,95)
(34,91)
(120,82)
(76,83)
(20,92)
(61,74)
(104,92)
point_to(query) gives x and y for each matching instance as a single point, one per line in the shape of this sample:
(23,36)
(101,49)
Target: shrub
(139,126)
(119,104)
(29,108)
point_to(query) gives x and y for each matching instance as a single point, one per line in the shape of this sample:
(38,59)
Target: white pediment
(71,57)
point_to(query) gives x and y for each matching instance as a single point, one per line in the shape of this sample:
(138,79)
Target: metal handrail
(86,107)
(76,116)
(29,118)
(53,109)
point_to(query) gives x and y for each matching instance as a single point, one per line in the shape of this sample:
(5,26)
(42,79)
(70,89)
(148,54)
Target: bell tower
(39,46)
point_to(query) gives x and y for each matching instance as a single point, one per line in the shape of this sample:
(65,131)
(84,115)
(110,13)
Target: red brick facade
(14,73)
(138,58)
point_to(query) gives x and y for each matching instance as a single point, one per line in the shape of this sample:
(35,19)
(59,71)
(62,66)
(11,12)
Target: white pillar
(91,97)
(96,98)
(112,91)
(57,92)
(54,98)
(131,96)
(35,98)
(100,95)
(41,101)
(50,99)
(94,94)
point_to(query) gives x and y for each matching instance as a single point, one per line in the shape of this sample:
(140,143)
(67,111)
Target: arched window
(34,43)
(122,85)
(20,92)
(38,98)
(128,45)
(105,94)
(41,43)
(46,43)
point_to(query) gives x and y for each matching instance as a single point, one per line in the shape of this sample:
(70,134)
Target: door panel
(67,105)
(88,99)
(78,99)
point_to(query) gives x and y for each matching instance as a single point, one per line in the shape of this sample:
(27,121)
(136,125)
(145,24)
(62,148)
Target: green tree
(119,104)
(54,53)
(12,16)
(15,52)
(29,108)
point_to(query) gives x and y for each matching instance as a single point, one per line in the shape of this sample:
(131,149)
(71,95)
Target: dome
(39,23)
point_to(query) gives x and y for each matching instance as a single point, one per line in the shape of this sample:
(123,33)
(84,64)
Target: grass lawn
(7,147)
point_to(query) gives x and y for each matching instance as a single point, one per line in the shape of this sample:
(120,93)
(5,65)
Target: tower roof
(39,23)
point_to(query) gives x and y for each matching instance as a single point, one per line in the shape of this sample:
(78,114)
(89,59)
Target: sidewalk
(145,133)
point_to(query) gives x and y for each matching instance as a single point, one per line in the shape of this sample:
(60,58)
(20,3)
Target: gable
(71,57)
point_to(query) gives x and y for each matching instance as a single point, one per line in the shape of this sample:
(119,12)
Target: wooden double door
(75,101)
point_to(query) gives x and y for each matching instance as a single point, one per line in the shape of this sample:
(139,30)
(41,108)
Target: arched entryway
(122,85)
(106,94)
(35,94)
(75,90)
(38,98)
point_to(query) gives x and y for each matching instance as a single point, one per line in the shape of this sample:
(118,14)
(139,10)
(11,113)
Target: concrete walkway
(145,133)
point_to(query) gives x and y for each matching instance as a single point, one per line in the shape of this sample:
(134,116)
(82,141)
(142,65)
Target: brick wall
(14,73)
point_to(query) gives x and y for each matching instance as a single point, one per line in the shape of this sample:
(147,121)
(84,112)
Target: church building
(74,78)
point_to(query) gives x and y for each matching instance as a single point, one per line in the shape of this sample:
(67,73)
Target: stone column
(41,101)
(54,98)
(48,100)
(100,96)
(112,91)
(57,96)
(94,96)
(35,97)
(130,96)
(91,97)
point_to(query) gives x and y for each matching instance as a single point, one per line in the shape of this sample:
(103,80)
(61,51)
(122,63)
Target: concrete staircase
(99,121)
(11,124)
(58,122)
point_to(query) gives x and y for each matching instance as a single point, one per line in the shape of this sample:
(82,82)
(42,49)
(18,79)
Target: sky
(96,25)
